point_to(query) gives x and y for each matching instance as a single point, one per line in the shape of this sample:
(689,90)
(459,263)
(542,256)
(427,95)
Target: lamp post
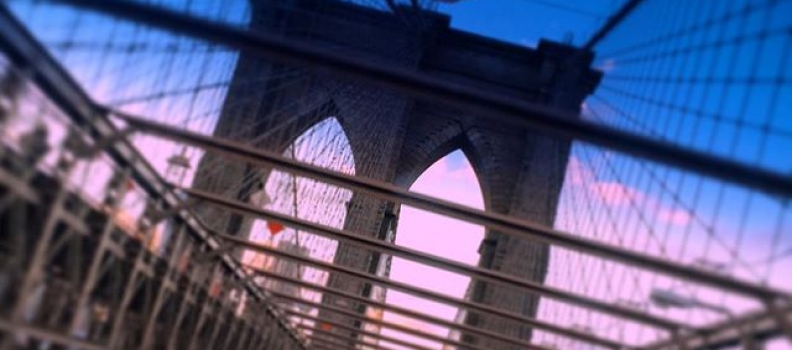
(669,299)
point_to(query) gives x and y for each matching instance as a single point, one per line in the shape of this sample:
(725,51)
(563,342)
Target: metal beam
(498,222)
(426,259)
(24,50)
(752,170)
(403,311)
(325,345)
(522,113)
(354,330)
(379,322)
(730,332)
(12,329)
(438,297)
(322,332)
(325,342)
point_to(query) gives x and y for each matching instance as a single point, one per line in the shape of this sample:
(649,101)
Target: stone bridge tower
(394,138)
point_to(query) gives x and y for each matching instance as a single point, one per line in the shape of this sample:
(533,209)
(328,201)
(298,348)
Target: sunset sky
(606,195)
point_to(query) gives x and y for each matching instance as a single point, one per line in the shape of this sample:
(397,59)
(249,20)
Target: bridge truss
(102,247)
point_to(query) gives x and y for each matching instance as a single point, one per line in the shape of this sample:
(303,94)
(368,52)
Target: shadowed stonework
(394,139)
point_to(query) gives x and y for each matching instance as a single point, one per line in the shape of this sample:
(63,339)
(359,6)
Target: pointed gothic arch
(425,146)
(324,144)
(452,177)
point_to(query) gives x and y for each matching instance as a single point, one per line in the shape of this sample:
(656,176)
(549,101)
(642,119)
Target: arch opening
(451,178)
(326,145)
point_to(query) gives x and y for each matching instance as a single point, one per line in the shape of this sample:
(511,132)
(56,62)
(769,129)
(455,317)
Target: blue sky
(607,196)
(744,110)
(524,22)
(651,205)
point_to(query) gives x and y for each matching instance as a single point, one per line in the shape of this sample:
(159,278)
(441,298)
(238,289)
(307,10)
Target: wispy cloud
(578,173)
(614,193)
(674,216)
(617,194)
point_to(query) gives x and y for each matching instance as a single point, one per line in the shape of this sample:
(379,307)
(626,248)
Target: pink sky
(438,235)
(459,241)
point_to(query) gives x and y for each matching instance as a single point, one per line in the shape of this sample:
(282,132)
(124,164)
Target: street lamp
(669,299)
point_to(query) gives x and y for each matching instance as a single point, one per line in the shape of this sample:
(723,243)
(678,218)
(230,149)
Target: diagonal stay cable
(612,22)
(63,91)
(417,84)
(503,223)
